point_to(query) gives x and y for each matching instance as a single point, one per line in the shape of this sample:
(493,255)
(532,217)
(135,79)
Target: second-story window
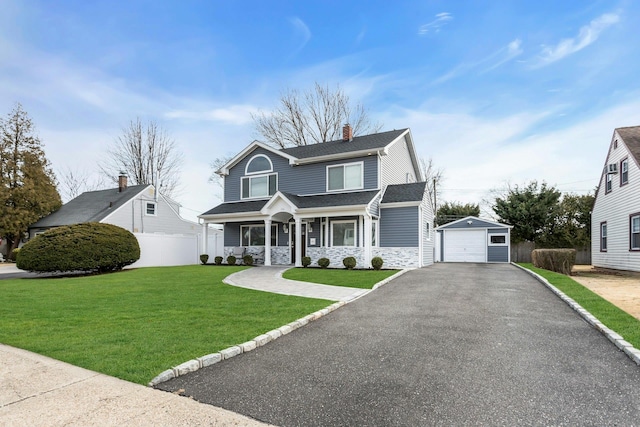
(624,171)
(259,186)
(608,185)
(345,177)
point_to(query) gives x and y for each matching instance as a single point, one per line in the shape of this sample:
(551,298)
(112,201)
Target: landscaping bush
(89,247)
(218,260)
(558,260)
(247,260)
(376,262)
(306,261)
(349,262)
(324,262)
(204,258)
(231,260)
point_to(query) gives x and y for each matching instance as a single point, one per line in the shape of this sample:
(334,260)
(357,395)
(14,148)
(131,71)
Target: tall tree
(147,154)
(27,183)
(449,212)
(311,117)
(73,182)
(572,225)
(531,210)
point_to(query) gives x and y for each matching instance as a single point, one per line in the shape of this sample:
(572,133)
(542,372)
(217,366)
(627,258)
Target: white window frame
(624,170)
(375,233)
(344,166)
(506,241)
(608,185)
(603,236)
(263,171)
(631,232)
(146,208)
(274,234)
(355,230)
(251,178)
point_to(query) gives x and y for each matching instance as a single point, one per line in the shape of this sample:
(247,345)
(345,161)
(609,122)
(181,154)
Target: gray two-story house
(361,196)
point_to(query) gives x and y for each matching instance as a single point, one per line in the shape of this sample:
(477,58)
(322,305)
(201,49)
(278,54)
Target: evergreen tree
(453,211)
(27,183)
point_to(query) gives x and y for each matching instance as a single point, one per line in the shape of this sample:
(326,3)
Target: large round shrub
(349,263)
(324,262)
(90,247)
(376,262)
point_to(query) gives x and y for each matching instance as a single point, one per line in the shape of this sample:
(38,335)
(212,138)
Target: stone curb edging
(213,358)
(614,337)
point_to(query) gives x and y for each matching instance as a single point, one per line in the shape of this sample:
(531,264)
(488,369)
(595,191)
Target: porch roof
(397,193)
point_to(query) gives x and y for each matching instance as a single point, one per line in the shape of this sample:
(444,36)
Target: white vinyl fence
(158,250)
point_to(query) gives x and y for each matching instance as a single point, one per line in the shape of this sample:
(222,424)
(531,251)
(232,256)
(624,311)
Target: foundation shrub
(349,263)
(376,263)
(247,260)
(306,261)
(218,260)
(204,258)
(324,262)
(231,260)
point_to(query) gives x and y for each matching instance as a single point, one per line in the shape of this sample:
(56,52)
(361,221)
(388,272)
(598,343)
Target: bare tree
(311,117)
(434,177)
(73,182)
(147,154)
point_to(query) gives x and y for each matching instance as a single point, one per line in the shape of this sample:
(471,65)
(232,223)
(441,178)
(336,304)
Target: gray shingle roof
(358,143)
(237,207)
(396,193)
(631,137)
(91,206)
(316,201)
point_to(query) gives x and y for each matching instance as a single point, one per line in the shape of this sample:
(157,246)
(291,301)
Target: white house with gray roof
(360,196)
(615,218)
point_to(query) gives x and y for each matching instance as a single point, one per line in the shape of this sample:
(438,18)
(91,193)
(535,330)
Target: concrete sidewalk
(40,391)
(270,279)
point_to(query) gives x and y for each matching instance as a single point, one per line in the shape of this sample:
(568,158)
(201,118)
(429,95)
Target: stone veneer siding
(397,257)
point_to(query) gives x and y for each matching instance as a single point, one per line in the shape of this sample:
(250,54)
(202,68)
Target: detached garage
(472,239)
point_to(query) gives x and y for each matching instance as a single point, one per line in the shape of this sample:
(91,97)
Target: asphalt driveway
(451,344)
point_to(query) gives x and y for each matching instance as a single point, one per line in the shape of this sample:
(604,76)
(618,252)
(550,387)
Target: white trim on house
(344,167)
(263,171)
(224,170)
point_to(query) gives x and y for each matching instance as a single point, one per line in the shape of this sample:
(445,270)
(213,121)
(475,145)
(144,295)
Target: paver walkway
(270,279)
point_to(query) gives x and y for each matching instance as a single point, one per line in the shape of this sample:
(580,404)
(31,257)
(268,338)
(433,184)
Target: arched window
(258,164)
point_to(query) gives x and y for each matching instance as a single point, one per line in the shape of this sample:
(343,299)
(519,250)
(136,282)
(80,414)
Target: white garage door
(465,246)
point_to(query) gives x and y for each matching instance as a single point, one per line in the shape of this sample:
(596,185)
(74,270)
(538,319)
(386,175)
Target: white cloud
(587,35)
(434,26)
(301,31)
(233,114)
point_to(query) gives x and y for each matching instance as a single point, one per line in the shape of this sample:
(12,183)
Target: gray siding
(498,253)
(132,216)
(477,223)
(374,208)
(232,234)
(301,180)
(397,164)
(504,230)
(399,227)
(428,235)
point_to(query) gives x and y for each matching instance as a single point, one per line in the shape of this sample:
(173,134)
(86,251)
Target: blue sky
(495,92)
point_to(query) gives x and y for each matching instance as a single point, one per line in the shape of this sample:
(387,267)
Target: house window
(259,186)
(603,237)
(345,177)
(608,185)
(253,235)
(343,233)
(150,208)
(624,172)
(374,234)
(497,239)
(635,232)
(258,164)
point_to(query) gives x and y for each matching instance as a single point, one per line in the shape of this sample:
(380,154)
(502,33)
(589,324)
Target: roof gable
(224,170)
(90,206)
(475,223)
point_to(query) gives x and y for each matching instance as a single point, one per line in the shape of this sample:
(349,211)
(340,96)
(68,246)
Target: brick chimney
(347,133)
(122,182)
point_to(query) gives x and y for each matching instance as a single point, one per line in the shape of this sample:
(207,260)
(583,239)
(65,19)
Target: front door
(292,243)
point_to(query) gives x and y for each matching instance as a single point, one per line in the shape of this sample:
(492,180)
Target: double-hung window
(624,172)
(150,208)
(345,177)
(634,232)
(603,237)
(609,183)
(259,186)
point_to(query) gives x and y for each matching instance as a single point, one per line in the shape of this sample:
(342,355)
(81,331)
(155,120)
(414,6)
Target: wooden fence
(521,252)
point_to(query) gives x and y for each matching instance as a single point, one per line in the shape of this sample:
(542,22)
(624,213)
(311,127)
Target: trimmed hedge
(231,260)
(218,260)
(324,262)
(558,260)
(306,261)
(88,247)
(204,258)
(376,262)
(247,260)
(349,262)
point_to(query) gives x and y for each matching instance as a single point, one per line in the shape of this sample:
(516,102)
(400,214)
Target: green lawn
(135,324)
(610,315)
(363,279)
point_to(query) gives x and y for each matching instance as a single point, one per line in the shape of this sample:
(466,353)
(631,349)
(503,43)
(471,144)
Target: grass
(613,317)
(135,324)
(363,279)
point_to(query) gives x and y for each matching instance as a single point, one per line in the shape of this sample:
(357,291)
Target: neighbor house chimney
(122,182)
(347,133)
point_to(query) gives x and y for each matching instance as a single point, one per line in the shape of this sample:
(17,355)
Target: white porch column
(326,232)
(367,240)
(205,238)
(298,242)
(361,234)
(267,241)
